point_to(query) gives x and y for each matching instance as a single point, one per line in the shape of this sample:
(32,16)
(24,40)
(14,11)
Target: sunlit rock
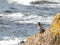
(51,36)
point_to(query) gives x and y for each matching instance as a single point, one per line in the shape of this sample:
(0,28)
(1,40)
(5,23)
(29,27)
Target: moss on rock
(50,37)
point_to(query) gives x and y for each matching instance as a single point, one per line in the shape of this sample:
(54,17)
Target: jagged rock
(51,36)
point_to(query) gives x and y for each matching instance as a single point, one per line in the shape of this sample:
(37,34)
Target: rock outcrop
(51,36)
(45,2)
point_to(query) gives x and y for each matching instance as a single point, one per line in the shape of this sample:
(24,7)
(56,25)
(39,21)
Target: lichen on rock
(51,36)
(55,24)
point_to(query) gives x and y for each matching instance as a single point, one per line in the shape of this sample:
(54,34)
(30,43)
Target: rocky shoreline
(51,36)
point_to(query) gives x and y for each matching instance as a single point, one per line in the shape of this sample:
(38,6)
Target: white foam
(54,0)
(14,41)
(50,5)
(26,19)
(13,15)
(24,2)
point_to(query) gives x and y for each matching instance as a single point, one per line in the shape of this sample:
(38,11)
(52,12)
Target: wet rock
(22,41)
(7,11)
(44,2)
(50,37)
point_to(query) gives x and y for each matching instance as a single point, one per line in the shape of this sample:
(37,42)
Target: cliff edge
(51,36)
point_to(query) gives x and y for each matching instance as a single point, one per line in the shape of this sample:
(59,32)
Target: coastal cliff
(51,36)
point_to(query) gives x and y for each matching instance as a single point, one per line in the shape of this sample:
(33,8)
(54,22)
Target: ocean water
(18,21)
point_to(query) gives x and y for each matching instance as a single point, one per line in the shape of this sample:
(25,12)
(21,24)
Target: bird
(41,29)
